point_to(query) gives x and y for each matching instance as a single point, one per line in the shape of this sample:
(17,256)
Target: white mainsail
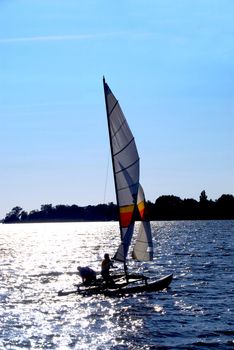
(125,161)
(143,248)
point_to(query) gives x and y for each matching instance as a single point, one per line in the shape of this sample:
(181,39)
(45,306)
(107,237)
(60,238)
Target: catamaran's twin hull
(150,286)
(153,286)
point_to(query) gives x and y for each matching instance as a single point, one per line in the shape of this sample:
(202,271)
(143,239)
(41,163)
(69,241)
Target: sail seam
(122,149)
(129,166)
(120,127)
(113,108)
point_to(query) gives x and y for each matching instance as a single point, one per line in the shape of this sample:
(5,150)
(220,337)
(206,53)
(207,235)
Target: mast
(113,167)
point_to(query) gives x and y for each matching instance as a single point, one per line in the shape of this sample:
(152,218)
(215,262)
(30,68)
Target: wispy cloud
(51,38)
(70,37)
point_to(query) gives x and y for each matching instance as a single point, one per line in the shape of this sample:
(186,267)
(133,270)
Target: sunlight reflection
(159,309)
(38,260)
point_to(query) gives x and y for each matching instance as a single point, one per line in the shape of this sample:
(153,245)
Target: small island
(166,207)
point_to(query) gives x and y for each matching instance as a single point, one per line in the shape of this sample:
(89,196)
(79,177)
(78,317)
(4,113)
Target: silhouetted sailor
(87,274)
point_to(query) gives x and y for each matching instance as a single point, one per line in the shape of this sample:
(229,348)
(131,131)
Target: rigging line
(106,180)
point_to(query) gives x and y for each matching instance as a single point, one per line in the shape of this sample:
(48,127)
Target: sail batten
(125,162)
(129,166)
(124,147)
(124,121)
(114,107)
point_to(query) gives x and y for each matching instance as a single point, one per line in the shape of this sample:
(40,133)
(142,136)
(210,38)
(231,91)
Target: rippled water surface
(37,260)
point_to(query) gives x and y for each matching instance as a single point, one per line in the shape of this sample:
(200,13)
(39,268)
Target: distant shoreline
(167,207)
(116,221)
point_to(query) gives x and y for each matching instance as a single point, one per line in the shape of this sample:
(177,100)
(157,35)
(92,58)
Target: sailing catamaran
(131,205)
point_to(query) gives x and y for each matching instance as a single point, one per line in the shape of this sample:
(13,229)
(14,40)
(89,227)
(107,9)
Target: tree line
(166,207)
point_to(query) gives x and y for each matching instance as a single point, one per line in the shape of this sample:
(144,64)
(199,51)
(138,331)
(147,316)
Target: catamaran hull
(153,286)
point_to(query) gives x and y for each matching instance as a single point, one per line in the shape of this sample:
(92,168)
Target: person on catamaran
(105,271)
(87,274)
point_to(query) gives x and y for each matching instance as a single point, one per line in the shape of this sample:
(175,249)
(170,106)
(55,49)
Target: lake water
(38,260)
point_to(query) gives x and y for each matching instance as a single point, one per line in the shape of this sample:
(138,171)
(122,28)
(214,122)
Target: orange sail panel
(125,214)
(141,208)
(141,202)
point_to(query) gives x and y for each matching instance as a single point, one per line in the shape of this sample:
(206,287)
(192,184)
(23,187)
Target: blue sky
(170,64)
